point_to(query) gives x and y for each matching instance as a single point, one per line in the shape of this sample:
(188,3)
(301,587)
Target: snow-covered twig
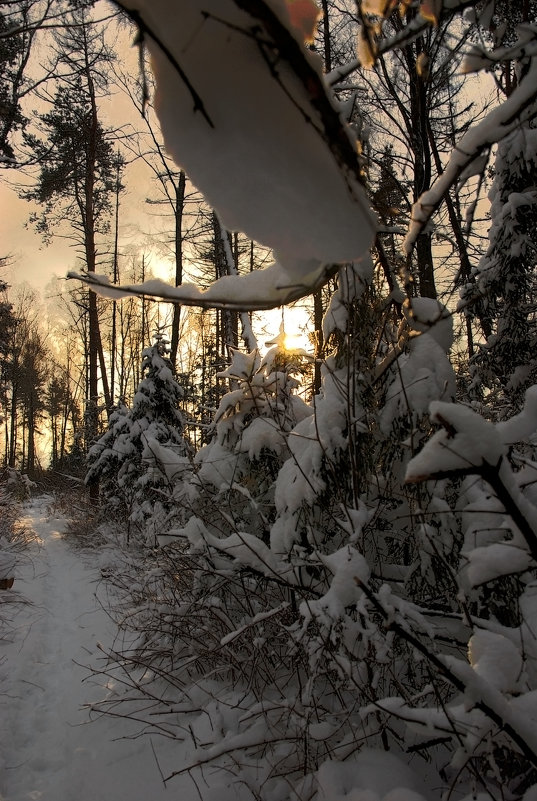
(462,676)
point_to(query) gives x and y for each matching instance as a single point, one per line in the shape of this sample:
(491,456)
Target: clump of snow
(423,375)
(497,660)
(243,365)
(263,433)
(528,630)
(492,561)
(348,568)
(352,281)
(521,426)
(249,135)
(311,442)
(372,775)
(432,317)
(466,441)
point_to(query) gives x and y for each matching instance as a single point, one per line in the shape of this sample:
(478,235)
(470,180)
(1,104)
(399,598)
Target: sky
(29,259)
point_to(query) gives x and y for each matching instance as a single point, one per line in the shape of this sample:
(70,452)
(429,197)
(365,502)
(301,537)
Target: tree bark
(179,210)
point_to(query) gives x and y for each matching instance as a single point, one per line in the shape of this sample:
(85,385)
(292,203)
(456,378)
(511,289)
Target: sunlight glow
(294,341)
(293,324)
(160,268)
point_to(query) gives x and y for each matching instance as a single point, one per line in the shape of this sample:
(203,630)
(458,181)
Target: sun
(293,341)
(293,324)
(160,268)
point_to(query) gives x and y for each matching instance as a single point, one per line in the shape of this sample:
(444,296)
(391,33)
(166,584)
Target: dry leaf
(365,49)
(431,10)
(422,66)
(303,15)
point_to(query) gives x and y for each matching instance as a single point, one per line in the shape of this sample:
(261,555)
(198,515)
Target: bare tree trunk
(179,210)
(113,344)
(13,425)
(94,343)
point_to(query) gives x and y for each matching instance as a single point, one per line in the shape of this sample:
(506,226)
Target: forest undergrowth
(328,582)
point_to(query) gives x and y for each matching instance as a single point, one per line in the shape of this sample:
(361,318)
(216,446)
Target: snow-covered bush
(235,474)
(324,616)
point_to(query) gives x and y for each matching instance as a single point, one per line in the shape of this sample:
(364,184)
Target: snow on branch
(244,110)
(467,444)
(519,108)
(261,289)
(479,690)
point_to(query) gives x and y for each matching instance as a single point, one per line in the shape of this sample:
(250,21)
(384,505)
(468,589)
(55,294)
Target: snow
(260,130)
(496,659)
(523,425)
(467,441)
(371,776)
(431,317)
(347,566)
(49,751)
(244,111)
(498,559)
(422,376)
(262,289)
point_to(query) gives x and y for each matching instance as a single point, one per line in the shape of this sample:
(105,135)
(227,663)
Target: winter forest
(287,394)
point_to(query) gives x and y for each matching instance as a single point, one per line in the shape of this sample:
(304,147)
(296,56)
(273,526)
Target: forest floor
(51,747)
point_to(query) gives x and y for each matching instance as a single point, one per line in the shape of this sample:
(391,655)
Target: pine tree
(78,173)
(136,459)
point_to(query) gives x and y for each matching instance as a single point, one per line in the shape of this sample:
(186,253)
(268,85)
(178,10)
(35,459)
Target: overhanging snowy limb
(263,289)
(244,110)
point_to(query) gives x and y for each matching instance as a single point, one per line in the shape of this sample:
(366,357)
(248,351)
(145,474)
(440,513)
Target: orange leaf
(431,9)
(303,15)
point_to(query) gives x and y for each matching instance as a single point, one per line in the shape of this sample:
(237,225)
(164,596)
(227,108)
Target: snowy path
(48,750)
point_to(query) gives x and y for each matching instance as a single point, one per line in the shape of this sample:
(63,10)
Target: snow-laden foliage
(313,604)
(233,486)
(505,277)
(144,449)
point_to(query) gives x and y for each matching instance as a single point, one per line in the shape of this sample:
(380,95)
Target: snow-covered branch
(519,108)
(245,112)
(261,289)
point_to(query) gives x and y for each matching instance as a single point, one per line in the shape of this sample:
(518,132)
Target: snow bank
(372,776)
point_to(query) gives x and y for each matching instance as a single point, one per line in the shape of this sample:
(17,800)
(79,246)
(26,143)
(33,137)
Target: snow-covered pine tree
(144,449)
